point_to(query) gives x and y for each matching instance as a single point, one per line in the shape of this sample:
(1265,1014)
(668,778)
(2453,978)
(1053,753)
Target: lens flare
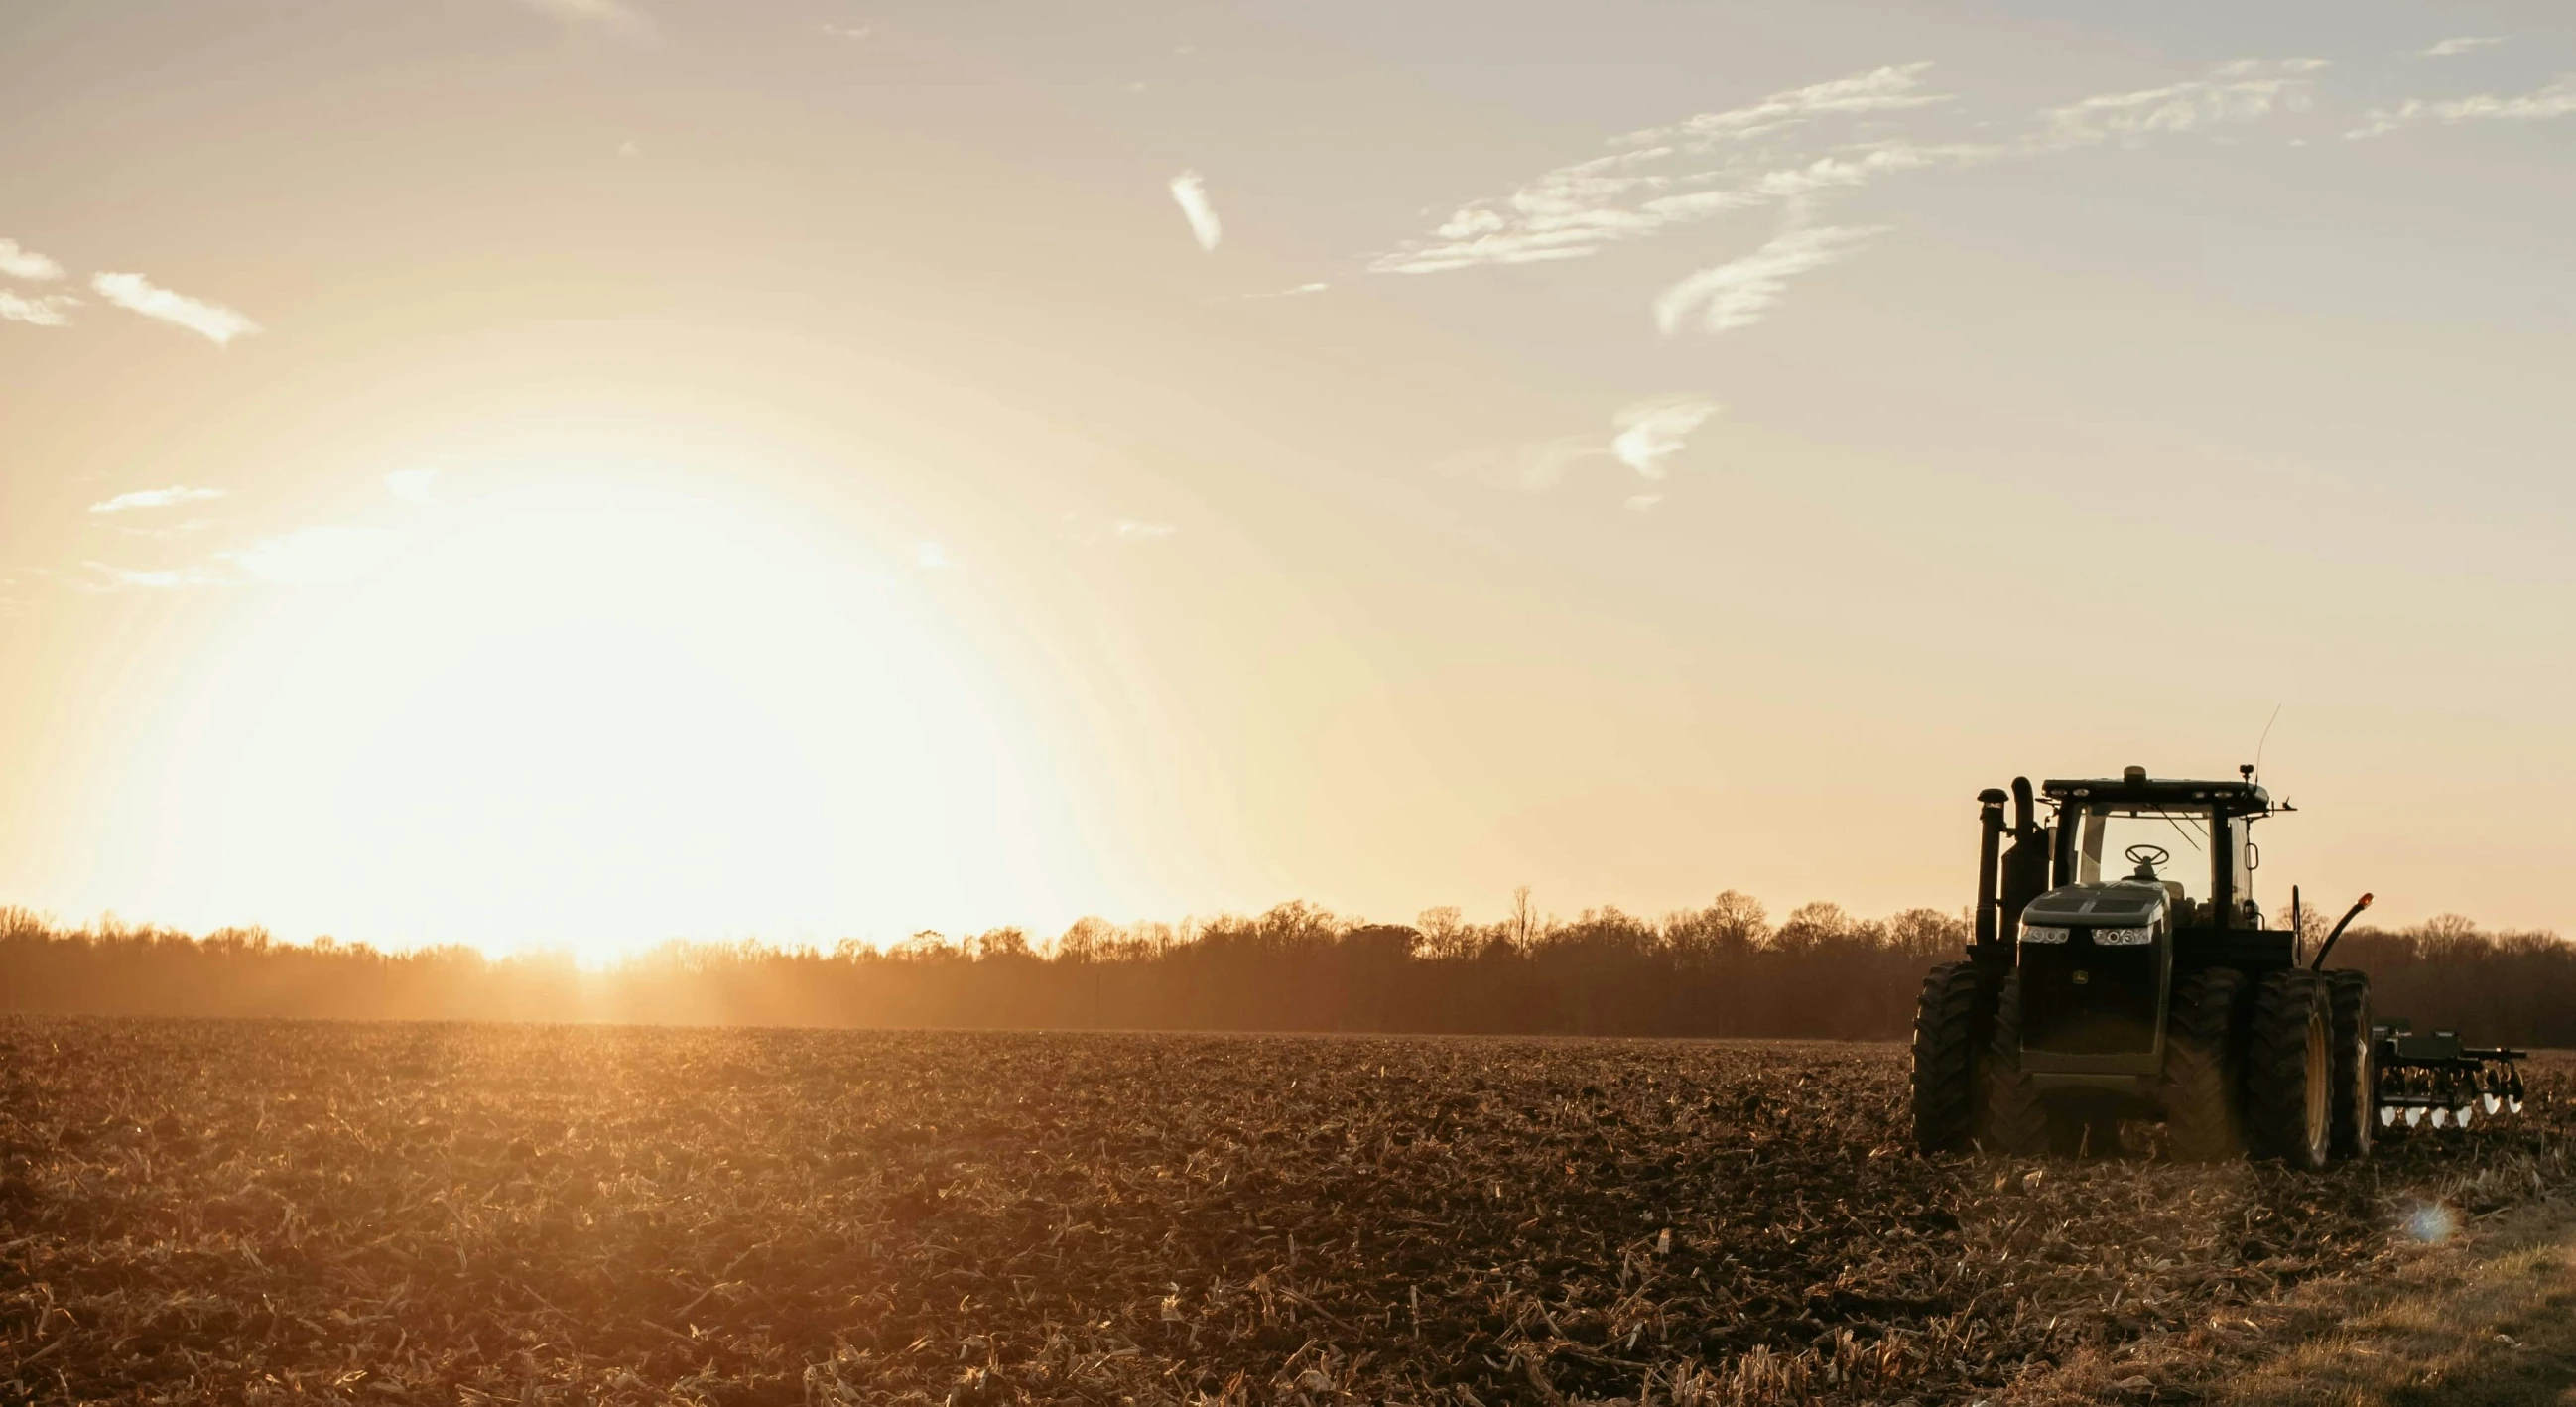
(2432,1223)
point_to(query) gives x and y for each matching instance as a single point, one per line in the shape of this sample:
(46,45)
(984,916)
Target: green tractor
(2157,994)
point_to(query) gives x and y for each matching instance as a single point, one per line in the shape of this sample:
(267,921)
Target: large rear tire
(2204,1118)
(2356,1076)
(2289,1070)
(2016,1122)
(1952,1019)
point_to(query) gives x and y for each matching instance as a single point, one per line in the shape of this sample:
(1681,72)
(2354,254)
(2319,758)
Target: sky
(586,472)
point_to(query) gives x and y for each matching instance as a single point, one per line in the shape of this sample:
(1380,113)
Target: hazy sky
(598,470)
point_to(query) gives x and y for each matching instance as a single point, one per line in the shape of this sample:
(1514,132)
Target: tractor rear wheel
(2289,1070)
(1951,1020)
(2016,1122)
(2204,1120)
(2356,1083)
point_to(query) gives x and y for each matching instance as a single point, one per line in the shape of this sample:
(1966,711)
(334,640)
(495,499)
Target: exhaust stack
(1990,840)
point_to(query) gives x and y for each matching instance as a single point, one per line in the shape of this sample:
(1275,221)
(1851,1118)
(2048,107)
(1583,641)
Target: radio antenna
(2259,742)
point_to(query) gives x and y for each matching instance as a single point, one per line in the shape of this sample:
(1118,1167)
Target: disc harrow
(2434,1077)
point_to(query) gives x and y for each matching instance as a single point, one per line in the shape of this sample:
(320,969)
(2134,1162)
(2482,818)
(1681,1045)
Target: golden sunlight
(1013,704)
(585,710)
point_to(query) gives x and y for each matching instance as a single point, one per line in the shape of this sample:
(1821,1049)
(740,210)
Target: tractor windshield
(2175,840)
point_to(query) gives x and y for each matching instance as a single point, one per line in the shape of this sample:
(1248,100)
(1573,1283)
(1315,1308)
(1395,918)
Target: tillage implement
(2085,1000)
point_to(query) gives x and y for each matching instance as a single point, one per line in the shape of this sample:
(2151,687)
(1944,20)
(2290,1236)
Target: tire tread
(2204,1114)
(2276,1067)
(1949,1019)
(2016,1122)
(2356,1103)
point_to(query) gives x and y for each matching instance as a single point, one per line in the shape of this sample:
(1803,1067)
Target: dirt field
(392,1213)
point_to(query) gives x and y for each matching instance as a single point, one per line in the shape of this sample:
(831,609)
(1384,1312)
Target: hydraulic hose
(2328,946)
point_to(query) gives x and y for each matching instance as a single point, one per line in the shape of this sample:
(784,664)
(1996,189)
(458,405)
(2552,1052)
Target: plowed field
(396,1213)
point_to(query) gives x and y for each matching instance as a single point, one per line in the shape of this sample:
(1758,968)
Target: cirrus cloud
(1683,173)
(1797,149)
(2466,43)
(1645,436)
(1739,292)
(2557,99)
(2239,91)
(137,294)
(1653,431)
(165,579)
(154,498)
(1189,190)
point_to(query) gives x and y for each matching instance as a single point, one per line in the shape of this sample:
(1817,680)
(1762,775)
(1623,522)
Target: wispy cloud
(1095,530)
(615,16)
(1191,192)
(2466,43)
(1808,143)
(413,486)
(1644,436)
(1879,90)
(18,261)
(212,321)
(154,498)
(2240,91)
(1299,291)
(847,31)
(37,312)
(1653,431)
(930,556)
(1739,292)
(1679,174)
(2558,99)
(178,579)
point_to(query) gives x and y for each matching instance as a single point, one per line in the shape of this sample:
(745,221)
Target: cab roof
(2234,796)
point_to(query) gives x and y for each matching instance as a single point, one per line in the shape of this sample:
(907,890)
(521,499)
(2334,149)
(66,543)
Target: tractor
(2087,998)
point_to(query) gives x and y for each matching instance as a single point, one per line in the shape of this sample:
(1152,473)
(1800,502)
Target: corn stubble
(389,1213)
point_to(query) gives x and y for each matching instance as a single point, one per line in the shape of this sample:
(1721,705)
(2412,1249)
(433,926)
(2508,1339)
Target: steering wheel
(2146,857)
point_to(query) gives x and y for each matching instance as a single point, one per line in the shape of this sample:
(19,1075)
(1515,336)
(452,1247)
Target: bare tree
(1524,922)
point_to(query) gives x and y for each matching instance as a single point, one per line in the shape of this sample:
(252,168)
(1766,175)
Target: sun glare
(590,712)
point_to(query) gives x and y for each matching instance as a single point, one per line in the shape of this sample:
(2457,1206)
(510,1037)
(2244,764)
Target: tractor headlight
(2042,933)
(2123,937)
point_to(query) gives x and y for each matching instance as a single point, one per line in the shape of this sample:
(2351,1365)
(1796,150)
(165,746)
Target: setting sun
(556,703)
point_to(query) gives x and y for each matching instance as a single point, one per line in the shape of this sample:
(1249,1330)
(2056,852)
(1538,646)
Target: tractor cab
(2183,874)
(2195,845)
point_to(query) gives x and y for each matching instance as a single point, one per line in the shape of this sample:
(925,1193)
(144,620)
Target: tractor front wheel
(1950,1031)
(2356,1083)
(2204,1119)
(2289,1070)
(2016,1122)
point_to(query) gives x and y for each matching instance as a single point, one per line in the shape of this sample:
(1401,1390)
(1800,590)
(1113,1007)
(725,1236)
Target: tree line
(1723,970)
